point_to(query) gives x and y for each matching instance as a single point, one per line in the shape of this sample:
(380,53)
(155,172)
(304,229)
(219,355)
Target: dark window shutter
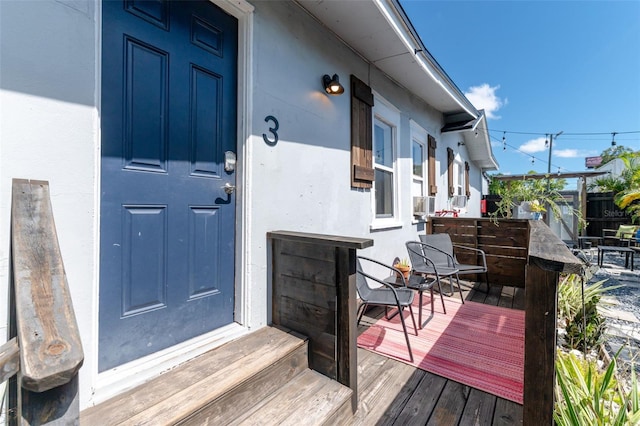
(467,187)
(452,189)
(361,134)
(431,155)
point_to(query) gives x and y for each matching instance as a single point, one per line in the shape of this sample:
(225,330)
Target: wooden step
(310,399)
(213,388)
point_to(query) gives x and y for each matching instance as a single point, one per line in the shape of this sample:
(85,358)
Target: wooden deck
(394,393)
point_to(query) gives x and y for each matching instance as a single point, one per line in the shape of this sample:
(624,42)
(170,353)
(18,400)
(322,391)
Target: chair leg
(420,311)
(415,328)
(486,277)
(459,288)
(406,335)
(441,296)
(432,310)
(360,313)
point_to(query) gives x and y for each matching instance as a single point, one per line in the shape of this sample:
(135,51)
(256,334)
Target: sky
(539,68)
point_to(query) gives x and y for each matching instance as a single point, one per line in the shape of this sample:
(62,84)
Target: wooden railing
(533,260)
(314,293)
(44,345)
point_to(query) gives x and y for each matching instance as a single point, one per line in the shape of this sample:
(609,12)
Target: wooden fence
(527,254)
(505,244)
(602,213)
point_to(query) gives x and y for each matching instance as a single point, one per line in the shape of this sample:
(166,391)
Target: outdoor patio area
(393,392)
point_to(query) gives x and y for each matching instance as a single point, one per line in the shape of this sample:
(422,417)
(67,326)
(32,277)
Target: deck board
(394,393)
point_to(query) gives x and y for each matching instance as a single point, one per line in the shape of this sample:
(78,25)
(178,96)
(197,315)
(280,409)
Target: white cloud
(567,153)
(534,145)
(484,97)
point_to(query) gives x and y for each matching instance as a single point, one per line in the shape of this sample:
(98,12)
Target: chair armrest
(481,252)
(396,270)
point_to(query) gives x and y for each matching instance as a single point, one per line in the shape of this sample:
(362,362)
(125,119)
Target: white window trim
(421,136)
(387,113)
(458,179)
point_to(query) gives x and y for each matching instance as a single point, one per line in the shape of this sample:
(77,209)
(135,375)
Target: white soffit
(377,30)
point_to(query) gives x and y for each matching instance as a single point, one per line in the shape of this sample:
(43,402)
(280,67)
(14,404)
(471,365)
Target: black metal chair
(386,295)
(427,261)
(443,243)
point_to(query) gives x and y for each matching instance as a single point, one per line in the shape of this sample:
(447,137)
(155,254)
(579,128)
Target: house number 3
(273,140)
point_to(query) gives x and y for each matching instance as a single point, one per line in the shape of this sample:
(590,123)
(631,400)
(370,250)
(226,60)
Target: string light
(546,141)
(546,135)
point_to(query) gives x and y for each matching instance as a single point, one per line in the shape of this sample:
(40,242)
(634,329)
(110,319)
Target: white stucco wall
(303,183)
(49,130)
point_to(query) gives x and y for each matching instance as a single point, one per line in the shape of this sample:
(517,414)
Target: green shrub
(577,337)
(585,396)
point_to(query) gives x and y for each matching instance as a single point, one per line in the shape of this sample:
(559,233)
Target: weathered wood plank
(518,298)
(305,269)
(346,332)
(448,409)
(539,345)
(423,400)
(215,371)
(479,409)
(244,396)
(549,252)
(305,291)
(322,239)
(312,251)
(56,406)
(294,393)
(51,351)
(311,317)
(506,297)
(507,413)
(382,391)
(9,359)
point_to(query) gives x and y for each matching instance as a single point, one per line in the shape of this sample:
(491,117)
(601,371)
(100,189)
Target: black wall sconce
(332,85)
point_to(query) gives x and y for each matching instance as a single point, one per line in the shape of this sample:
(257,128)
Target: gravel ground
(623,312)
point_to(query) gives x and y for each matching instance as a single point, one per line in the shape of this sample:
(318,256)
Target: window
(386,121)
(417,153)
(460,189)
(383,159)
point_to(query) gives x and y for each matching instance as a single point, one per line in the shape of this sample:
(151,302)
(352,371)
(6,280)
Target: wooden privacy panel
(304,295)
(505,245)
(314,293)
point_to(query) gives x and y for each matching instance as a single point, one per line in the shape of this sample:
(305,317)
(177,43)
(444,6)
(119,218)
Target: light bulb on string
(533,160)
(546,141)
(613,138)
(504,141)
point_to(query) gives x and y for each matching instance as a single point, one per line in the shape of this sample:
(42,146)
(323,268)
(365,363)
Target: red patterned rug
(479,345)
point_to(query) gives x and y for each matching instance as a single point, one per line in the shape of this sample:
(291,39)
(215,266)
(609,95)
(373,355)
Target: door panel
(167,227)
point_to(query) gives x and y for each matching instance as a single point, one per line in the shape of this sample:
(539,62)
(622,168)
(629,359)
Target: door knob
(228,188)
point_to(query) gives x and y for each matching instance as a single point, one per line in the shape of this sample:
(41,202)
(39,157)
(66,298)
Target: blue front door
(169,76)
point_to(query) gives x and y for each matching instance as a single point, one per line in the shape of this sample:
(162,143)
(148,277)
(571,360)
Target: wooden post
(540,325)
(47,333)
(548,257)
(314,293)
